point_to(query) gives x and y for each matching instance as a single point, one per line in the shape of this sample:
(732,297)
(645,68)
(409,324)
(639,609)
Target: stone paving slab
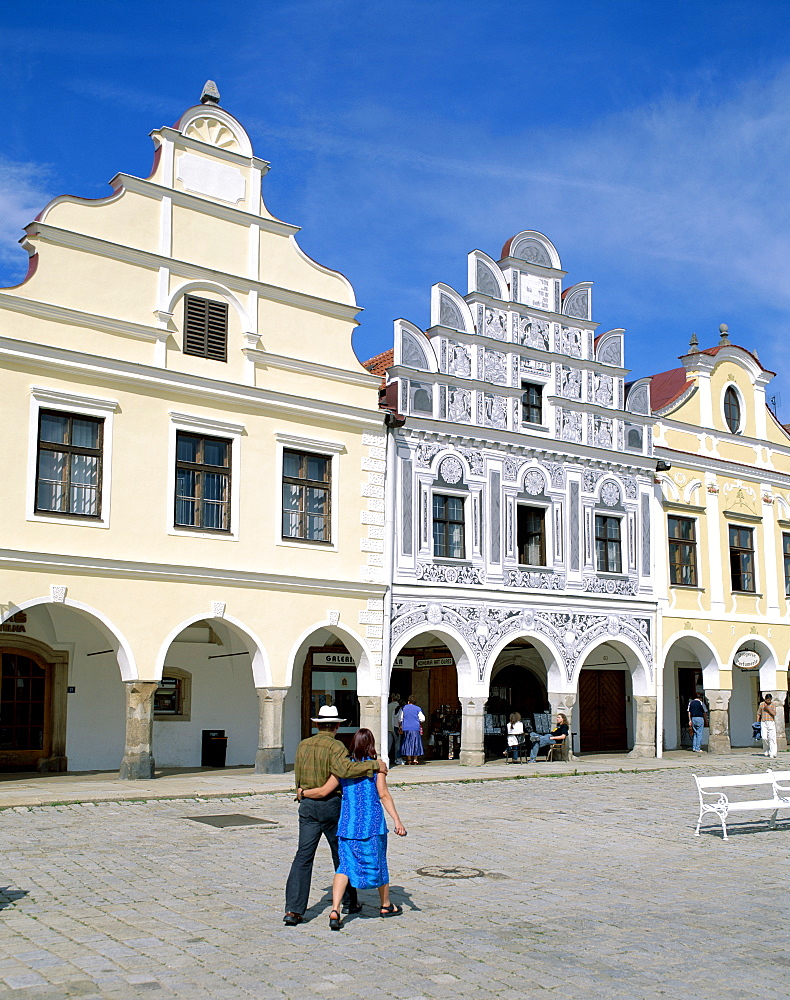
(67,789)
(585,887)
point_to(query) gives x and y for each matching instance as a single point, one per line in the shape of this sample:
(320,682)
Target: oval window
(732,410)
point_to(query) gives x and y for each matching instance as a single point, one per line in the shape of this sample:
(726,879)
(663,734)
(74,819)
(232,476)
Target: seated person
(556,737)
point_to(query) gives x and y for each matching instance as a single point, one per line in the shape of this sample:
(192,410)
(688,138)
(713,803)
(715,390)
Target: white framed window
(733,408)
(203,477)
(449,514)
(69,458)
(608,543)
(308,483)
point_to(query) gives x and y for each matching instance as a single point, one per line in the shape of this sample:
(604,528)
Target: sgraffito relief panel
(645,535)
(496,411)
(495,324)
(533,332)
(496,548)
(460,406)
(406,513)
(569,425)
(569,382)
(574,526)
(600,389)
(459,360)
(569,341)
(495,367)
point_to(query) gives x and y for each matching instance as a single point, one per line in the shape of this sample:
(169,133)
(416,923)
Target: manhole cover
(231,819)
(437,871)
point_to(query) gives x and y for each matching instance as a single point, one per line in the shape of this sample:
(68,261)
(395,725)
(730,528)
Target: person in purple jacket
(410,719)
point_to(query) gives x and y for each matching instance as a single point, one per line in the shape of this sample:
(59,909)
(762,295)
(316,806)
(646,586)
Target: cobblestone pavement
(584,887)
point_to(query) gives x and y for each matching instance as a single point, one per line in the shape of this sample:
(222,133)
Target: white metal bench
(713,800)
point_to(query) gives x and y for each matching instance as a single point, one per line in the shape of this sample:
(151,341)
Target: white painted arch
(641,671)
(465,659)
(261,669)
(548,652)
(122,649)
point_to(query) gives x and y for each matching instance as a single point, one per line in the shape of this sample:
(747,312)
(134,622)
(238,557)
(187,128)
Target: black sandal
(390,911)
(335,923)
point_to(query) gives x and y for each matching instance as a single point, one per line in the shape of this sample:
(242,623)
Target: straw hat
(328,713)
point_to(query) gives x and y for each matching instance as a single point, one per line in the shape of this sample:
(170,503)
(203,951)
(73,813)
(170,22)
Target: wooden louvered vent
(206,328)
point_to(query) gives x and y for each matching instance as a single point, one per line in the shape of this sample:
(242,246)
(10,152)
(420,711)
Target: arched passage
(208,670)
(690,665)
(436,667)
(616,704)
(83,660)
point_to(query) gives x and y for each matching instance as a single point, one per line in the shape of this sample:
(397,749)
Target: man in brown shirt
(316,758)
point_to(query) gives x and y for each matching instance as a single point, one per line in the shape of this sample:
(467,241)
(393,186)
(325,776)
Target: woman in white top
(515,728)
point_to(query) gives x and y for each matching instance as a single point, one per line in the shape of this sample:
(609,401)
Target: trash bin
(213,748)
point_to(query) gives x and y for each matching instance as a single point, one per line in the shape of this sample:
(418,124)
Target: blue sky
(650,141)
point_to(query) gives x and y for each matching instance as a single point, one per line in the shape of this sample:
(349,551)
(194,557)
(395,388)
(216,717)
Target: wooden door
(602,727)
(25,710)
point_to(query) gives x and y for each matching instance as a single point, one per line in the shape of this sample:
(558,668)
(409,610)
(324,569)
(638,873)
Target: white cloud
(22,196)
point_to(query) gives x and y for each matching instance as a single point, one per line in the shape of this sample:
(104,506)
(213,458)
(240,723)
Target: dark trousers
(316,817)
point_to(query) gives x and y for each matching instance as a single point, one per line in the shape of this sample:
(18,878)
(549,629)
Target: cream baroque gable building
(724,574)
(521,480)
(189,423)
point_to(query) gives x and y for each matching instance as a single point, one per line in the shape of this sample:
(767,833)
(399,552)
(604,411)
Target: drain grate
(438,871)
(231,819)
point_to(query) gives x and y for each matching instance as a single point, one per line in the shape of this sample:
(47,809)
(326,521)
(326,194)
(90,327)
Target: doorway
(25,710)
(602,707)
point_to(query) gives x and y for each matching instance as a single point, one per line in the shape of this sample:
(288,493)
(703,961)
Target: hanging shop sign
(436,661)
(333,660)
(403,663)
(747,659)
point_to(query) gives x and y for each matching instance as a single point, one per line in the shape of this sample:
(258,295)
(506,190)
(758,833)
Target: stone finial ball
(724,328)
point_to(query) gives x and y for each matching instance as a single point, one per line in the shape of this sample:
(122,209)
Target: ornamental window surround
(742,566)
(733,411)
(786,557)
(608,544)
(448,527)
(682,532)
(531,535)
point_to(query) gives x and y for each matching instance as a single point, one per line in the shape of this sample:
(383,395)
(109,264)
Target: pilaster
(472,730)
(645,731)
(138,757)
(564,702)
(270,756)
(719,713)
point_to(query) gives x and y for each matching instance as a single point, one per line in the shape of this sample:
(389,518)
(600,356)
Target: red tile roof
(381,362)
(667,386)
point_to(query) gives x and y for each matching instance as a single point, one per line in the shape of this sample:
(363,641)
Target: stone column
(270,756)
(645,730)
(138,756)
(370,717)
(719,703)
(781,735)
(564,702)
(472,730)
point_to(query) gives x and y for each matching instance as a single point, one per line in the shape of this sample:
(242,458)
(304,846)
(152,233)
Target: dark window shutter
(205,328)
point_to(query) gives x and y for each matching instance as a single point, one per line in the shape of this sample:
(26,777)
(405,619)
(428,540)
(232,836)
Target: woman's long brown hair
(363,745)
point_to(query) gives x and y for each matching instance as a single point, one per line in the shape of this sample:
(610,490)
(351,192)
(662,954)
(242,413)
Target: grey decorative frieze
(604,585)
(600,389)
(460,410)
(531,365)
(590,478)
(531,250)
(557,474)
(412,354)
(495,324)
(534,483)
(569,425)
(495,367)
(569,382)
(569,341)
(496,412)
(600,431)
(483,628)
(432,573)
(475,460)
(485,280)
(610,494)
(578,304)
(449,313)
(425,452)
(451,470)
(630,484)
(511,468)
(639,400)
(459,360)
(533,333)
(535,580)
(611,353)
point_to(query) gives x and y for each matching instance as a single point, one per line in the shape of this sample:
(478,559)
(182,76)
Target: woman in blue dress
(411,718)
(361,831)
